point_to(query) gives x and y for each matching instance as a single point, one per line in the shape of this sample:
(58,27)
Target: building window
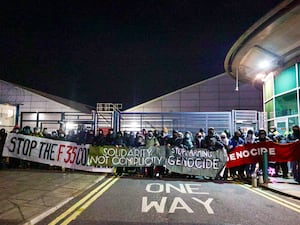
(286,105)
(292,121)
(285,81)
(7,115)
(298,66)
(268,89)
(269,109)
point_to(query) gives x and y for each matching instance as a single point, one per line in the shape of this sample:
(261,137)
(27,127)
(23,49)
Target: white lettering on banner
(194,162)
(250,153)
(136,161)
(133,152)
(98,160)
(131,157)
(177,202)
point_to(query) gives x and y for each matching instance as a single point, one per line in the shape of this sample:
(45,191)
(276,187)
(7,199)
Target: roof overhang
(275,38)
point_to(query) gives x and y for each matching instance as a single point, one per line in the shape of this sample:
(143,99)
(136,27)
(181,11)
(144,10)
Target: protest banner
(48,151)
(201,162)
(252,153)
(112,156)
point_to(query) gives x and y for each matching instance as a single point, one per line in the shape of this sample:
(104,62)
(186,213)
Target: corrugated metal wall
(216,94)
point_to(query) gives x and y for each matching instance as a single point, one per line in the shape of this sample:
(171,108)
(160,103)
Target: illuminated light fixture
(10,113)
(264,64)
(260,76)
(133,126)
(70,126)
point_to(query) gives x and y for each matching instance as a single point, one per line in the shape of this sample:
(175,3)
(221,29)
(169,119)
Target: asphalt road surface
(134,201)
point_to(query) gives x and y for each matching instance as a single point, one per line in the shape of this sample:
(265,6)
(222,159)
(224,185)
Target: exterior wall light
(260,76)
(264,64)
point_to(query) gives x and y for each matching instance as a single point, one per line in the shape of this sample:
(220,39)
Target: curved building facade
(268,54)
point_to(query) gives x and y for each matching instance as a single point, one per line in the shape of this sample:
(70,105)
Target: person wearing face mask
(293,137)
(212,141)
(188,141)
(198,139)
(262,136)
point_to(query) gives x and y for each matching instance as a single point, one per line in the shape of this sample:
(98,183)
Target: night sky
(117,51)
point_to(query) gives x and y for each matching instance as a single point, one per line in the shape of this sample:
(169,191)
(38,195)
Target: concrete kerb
(266,186)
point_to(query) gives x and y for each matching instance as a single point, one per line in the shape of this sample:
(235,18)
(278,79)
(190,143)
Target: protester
(45,133)
(212,140)
(236,140)
(110,138)
(3,135)
(188,141)
(37,132)
(90,137)
(150,141)
(198,140)
(100,138)
(293,137)
(225,142)
(119,142)
(16,129)
(250,139)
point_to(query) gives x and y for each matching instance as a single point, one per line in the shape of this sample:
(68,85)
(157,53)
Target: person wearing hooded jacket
(188,141)
(150,140)
(3,135)
(212,141)
(236,140)
(293,137)
(276,137)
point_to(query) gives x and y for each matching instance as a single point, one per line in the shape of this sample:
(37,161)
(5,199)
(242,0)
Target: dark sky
(119,51)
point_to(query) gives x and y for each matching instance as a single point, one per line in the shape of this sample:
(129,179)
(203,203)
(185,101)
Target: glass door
(282,126)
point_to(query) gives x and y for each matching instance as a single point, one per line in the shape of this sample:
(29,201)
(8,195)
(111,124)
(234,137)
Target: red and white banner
(252,153)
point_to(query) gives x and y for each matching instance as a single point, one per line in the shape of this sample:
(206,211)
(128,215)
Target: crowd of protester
(210,140)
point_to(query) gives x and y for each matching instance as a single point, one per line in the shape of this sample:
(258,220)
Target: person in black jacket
(3,135)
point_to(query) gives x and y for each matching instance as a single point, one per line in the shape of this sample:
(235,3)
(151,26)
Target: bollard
(254,180)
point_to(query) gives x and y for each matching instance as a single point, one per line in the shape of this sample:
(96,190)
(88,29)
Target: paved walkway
(27,196)
(284,186)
